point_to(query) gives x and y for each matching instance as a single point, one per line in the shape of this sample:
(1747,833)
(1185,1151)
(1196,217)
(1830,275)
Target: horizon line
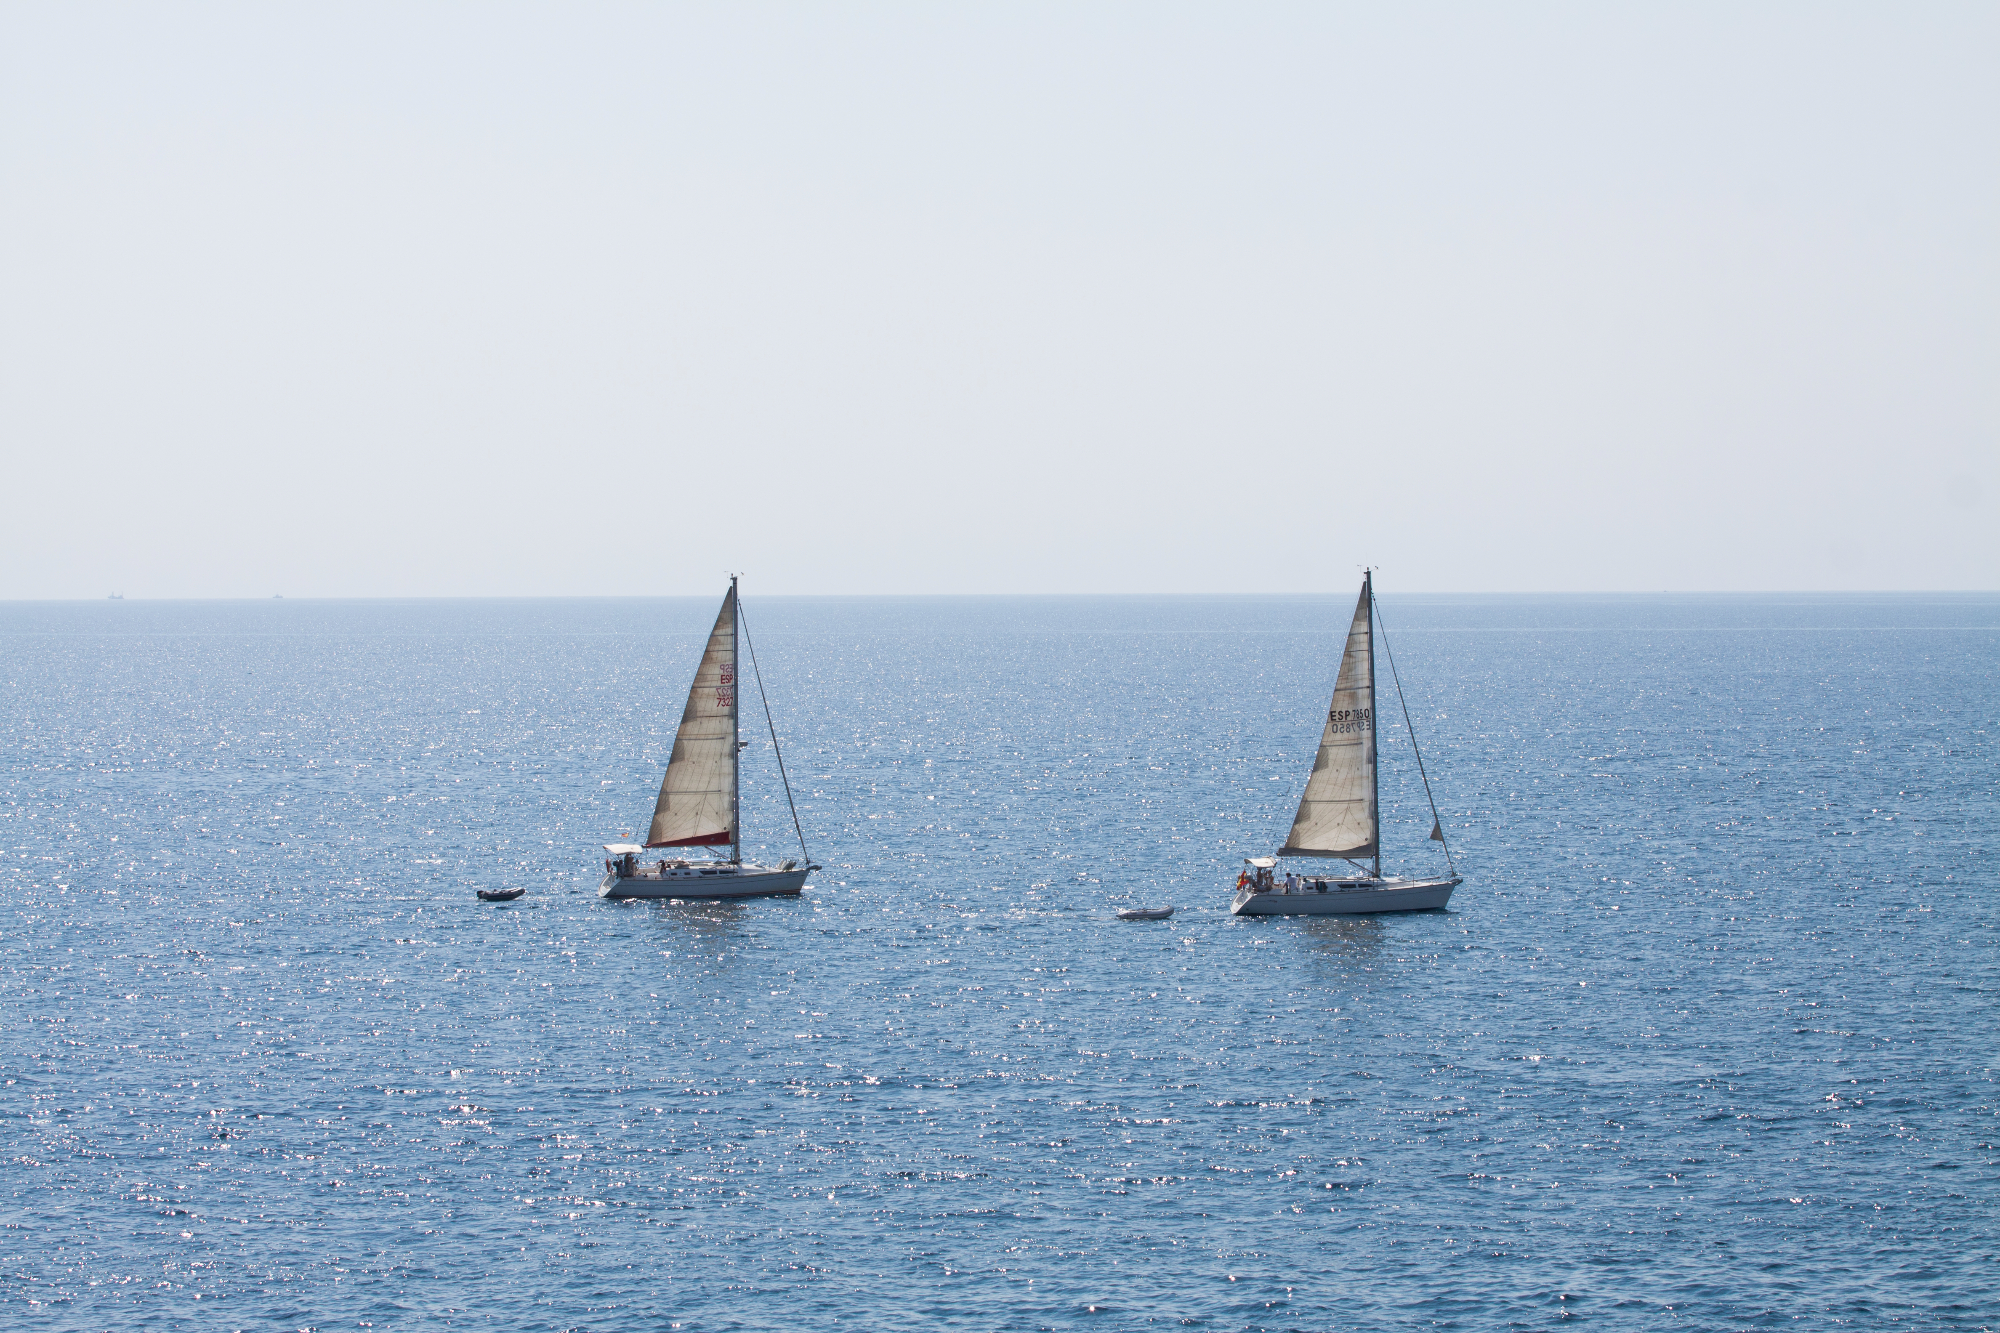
(920,596)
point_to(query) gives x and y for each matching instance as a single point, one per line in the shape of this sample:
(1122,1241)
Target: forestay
(697,796)
(1337,814)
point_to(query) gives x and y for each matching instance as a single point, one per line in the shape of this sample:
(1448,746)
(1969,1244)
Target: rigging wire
(774,735)
(1437,824)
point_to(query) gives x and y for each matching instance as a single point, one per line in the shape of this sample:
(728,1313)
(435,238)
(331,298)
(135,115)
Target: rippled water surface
(1707,1039)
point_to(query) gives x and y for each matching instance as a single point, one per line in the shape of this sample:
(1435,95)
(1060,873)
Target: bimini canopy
(1262,862)
(623,848)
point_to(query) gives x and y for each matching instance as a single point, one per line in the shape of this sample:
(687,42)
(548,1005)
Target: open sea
(1707,1039)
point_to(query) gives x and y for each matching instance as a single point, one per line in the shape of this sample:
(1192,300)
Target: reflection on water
(717,931)
(1342,937)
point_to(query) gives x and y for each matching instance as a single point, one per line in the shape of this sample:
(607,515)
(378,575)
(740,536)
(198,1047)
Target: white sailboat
(1339,815)
(698,805)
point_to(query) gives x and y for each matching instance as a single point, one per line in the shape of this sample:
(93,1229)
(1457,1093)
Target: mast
(737,745)
(1374,748)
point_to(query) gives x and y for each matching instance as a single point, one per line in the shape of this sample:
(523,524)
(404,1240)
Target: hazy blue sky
(431,299)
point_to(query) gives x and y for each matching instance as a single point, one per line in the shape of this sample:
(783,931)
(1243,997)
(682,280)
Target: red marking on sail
(700,840)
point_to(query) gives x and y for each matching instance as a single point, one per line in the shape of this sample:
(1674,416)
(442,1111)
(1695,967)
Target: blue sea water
(1707,1040)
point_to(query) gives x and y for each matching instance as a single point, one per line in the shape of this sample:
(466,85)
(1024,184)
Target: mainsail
(697,806)
(1337,813)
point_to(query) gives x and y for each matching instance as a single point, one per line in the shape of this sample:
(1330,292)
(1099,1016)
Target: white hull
(733,882)
(1350,898)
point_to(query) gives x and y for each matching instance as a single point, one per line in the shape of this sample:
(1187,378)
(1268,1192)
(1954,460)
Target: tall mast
(737,745)
(1374,769)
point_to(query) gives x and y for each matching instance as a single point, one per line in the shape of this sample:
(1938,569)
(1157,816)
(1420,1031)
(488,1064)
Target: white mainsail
(1337,815)
(697,806)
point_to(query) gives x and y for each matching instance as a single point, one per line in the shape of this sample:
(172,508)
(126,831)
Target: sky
(429,299)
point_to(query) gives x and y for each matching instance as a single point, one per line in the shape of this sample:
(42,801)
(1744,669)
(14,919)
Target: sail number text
(1343,721)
